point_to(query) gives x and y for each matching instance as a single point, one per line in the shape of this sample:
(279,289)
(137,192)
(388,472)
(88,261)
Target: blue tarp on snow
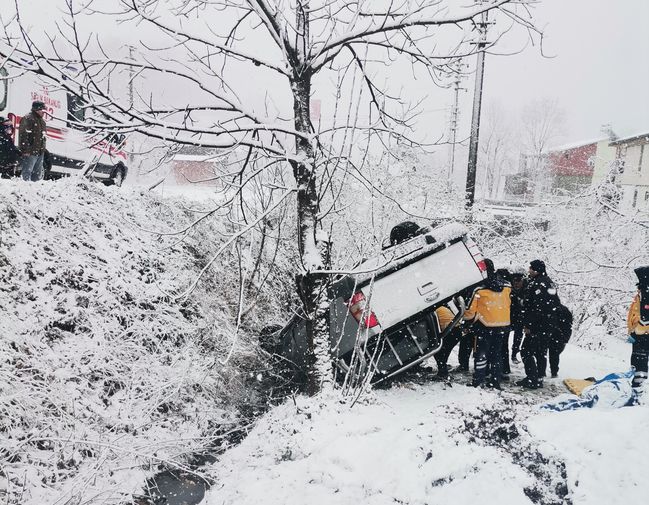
(613,391)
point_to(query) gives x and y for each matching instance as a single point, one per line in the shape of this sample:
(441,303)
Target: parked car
(382,312)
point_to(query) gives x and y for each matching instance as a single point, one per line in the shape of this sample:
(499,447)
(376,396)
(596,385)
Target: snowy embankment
(432,443)
(102,371)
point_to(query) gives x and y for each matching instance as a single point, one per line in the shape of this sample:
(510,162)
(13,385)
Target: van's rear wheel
(47,165)
(119,175)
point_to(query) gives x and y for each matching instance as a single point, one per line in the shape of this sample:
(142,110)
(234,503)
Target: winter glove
(631,339)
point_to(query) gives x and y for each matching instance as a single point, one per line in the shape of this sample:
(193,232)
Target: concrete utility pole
(453,124)
(475,120)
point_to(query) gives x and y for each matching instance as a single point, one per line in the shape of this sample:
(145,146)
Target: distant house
(195,165)
(559,170)
(572,166)
(632,154)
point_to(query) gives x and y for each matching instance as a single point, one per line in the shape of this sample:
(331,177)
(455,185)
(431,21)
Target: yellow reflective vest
(490,308)
(633,323)
(444,317)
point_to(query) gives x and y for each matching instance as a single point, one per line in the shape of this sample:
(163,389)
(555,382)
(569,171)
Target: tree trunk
(311,286)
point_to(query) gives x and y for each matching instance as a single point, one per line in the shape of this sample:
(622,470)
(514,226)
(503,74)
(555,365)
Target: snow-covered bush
(104,370)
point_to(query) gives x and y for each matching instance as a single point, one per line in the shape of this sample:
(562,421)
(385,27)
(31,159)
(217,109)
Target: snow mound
(102,370)
(435,443)
(407,446)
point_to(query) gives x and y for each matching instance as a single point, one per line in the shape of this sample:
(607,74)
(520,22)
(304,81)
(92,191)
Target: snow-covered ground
(105,378)
(434,443)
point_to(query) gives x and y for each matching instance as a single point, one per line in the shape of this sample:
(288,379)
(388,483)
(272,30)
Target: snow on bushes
(102,370)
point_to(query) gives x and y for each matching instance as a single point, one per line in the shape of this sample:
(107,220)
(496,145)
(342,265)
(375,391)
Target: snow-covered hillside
(102,371)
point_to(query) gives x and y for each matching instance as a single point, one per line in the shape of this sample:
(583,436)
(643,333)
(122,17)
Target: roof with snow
(633,138)
(575,145)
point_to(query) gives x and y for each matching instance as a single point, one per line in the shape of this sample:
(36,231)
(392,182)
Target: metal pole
(475,120)
(454,124)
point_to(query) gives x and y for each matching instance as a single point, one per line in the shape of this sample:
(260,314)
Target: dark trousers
(441,357)
(467,343)
(505,352)
(553,346)
(533,354)
(488,354)
(518,338)
(639,358)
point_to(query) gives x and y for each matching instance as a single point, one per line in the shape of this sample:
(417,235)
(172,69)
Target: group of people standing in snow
(31,144)
(508,303)
(529,308)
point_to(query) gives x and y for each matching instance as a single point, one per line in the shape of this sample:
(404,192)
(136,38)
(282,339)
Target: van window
(76,111)
(4,88)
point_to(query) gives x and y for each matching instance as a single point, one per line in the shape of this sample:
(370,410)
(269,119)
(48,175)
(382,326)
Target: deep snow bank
(433,444)
(101,370)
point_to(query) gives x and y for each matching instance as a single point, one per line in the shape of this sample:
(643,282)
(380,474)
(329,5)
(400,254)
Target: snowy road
(434,443)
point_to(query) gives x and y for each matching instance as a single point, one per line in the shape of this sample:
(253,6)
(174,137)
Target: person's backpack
(564,323)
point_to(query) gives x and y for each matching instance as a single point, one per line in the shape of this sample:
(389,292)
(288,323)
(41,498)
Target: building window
(641,156)
(621,156)
(76,111)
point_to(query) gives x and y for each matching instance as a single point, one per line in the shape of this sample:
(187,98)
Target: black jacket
(517,297)
(564,324)
(540,305)
(9,153)
(32,134)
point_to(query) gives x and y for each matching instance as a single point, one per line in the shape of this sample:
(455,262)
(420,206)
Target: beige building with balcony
(632,154)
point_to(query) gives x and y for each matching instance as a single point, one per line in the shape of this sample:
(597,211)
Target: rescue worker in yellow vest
(489,311)
(444,317)
(637,322)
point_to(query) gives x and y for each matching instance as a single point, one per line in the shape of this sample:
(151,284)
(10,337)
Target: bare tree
(244,72)
(497,150)
(542,122)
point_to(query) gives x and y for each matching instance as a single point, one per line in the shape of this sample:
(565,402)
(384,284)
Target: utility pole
(475,119)
(131,77)
(453,124)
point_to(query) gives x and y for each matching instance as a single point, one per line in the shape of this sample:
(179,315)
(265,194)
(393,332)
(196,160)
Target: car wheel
(47,166)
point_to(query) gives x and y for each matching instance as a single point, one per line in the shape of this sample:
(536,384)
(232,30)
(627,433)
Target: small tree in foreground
(239,75)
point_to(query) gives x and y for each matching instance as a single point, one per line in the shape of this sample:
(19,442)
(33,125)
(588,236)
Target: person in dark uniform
(540,313)
(637,323)
(518,292)
(9,153)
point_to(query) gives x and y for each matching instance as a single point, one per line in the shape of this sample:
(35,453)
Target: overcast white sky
(596,67)
(599,72)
